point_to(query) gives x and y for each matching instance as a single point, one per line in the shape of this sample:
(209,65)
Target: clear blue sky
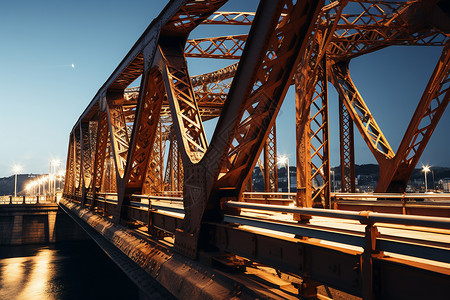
(42,96)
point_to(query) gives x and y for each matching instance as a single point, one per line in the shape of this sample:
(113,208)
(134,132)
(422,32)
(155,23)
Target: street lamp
(52,182)
(426,169)
(61,173)
(16,169)
(334,187)
(284,160)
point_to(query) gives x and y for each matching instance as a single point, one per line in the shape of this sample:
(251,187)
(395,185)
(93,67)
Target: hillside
(7,184)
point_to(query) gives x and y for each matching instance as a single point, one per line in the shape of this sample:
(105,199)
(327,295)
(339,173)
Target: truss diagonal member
(270,169)
(226,47)
(190,14)
(319,143)
(230,18)
(173,179)
(309,65)
(119,134)
(70,164)
(432,105)
(360,113)
(182,102)
(78,158)
(154,176)
(151,97)
(86,154)
(313,184)
(260,84)
(216,76)
(367,26)
(100,152)
(347,152)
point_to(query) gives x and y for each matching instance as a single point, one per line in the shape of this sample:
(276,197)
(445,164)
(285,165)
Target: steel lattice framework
(118,144)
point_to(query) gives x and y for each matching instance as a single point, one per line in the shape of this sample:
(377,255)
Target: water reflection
(63,271)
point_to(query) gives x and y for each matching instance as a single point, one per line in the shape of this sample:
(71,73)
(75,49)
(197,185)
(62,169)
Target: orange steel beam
(100,152)
(230,18)
(85,159)
(305,38)
(69,178)
(255,113)
(173,179)
(319,141)
(226,47)
(77,165)
(347,149)
(154,175)
(270,169)
(360,113)
(182,101)
(394,175)
(367,26)
(148,111)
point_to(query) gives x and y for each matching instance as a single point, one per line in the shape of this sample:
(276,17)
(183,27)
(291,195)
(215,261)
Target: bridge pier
(16,238)
(22,224)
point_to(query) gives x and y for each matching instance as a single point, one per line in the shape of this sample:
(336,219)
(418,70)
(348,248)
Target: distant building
(446,185)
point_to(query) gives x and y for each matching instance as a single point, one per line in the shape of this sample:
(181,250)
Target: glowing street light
(51,179)
(61,173)
(425,170)
(284,160)
(16,169)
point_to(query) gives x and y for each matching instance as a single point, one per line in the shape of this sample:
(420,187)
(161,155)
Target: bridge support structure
(117,148)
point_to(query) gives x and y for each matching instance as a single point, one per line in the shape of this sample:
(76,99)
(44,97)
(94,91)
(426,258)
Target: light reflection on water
(64,271)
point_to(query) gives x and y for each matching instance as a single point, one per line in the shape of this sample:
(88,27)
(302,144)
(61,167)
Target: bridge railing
(26,200)
(269,198)
(427,204)
(167,207)
(273,238)
(371,237)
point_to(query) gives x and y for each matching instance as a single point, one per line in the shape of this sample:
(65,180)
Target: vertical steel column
(270,162)
(303,130)
(78,159)
(86,160)
(347,149)
(319,141)
(154,177)
(69,179)
(99,157)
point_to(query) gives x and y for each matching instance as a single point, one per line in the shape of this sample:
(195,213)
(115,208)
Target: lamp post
(16,169)
(52,176)
(284,160)
(334,187)
(425,170)
(61,173)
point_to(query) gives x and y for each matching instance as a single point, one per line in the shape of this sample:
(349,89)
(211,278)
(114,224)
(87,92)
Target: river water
(72,270)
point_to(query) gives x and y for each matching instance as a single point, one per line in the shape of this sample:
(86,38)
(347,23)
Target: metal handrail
(365,217)
(152,197)
(358,196)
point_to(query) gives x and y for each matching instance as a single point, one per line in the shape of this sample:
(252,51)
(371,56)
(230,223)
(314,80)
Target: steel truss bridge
(139,155)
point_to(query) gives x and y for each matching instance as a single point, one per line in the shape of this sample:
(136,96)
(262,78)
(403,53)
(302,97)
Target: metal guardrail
(365,217)
(375,196)
(11,200)
(271,241)
(440,253)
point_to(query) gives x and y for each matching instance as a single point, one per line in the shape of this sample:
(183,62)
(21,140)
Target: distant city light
(425,170)
(56,162)
(17,169)
(282,159)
